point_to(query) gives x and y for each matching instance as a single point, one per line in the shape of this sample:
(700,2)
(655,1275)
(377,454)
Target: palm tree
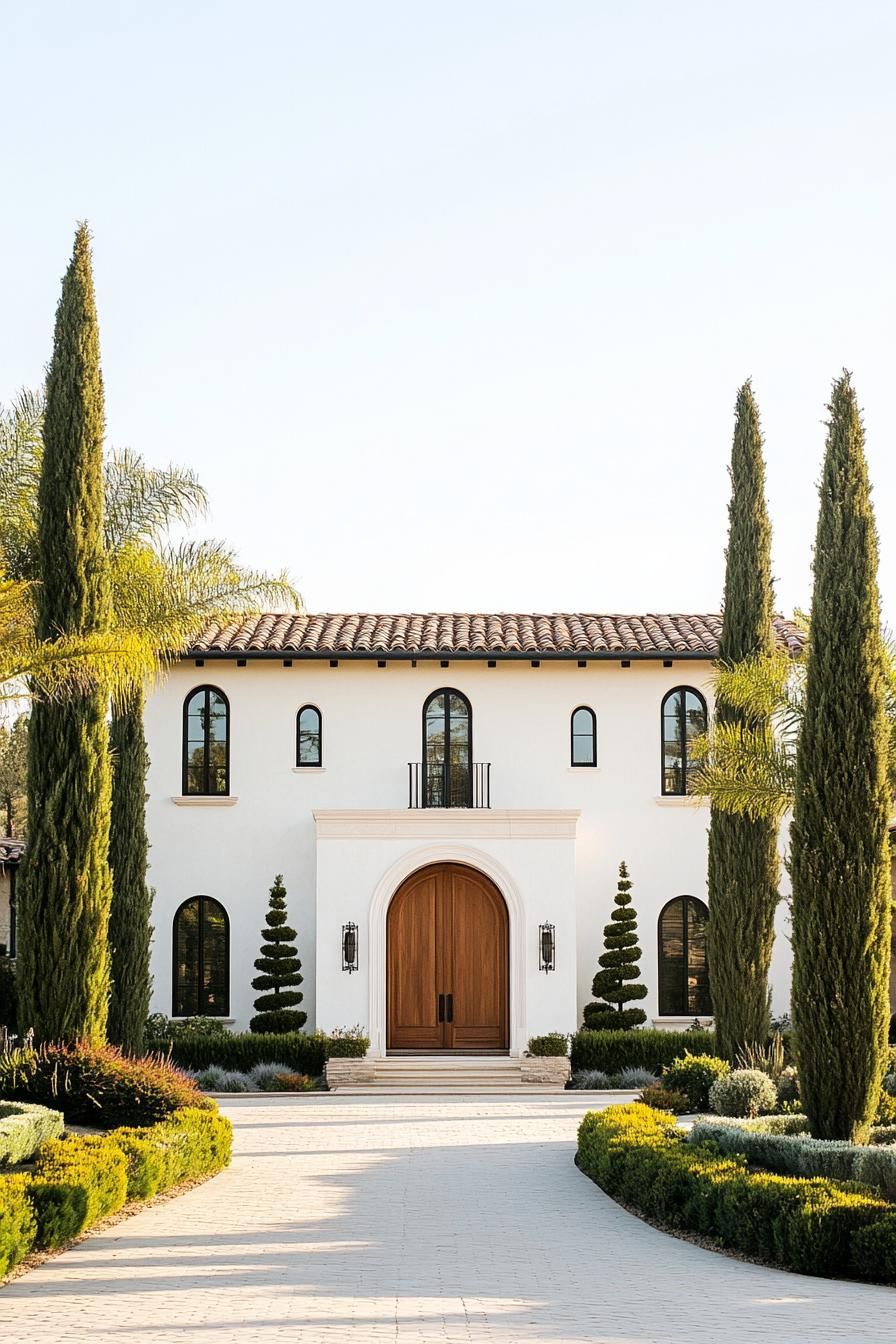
(751,770)
(163,592)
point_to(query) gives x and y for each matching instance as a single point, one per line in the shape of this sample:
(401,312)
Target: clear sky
(448,304)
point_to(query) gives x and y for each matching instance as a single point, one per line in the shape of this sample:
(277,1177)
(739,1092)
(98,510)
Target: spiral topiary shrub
(744,1092)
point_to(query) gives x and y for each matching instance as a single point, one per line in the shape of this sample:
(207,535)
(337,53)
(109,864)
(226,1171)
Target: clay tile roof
(409,635)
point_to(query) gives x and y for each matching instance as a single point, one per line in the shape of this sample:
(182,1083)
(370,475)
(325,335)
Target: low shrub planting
(874,1250)
(743,1092)
(291,1082)
(629,1080)
(161,1030)
(216,1079)
(663,1098)
(788,1086)
(97,1085)
(551,1045)
(18,1225)
(790,1152)
(694,1075)
(23,1128)
(77,1179)
(812,1226)
(613,1051)
(80,1178)
(592,1080)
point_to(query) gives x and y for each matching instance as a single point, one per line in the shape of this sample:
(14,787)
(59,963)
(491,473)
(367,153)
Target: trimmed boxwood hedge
(81,1178)
(814,1226)
(243,1050)
(613,1051)
(23,1128)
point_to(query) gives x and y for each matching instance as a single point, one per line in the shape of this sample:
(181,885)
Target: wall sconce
(546,947)
(349,947)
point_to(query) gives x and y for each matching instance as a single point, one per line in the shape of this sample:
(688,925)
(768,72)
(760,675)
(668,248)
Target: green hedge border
(242,1050)
(811,1225)
(79,1179)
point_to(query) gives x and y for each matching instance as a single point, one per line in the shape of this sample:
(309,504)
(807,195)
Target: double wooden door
(447,962)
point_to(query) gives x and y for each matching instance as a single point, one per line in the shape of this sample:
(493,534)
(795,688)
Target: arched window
(684,974)
(447,750)
(206,742)
(583,735)
(308,736)
(684,718)
(201,959)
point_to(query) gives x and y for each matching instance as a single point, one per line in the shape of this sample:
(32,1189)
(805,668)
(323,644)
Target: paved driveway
(407,1219)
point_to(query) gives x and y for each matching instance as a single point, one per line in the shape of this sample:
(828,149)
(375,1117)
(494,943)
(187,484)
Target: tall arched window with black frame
(206,748)
(683,719)
(684,989)
(309,737)
(201,946)
(583,736)
(447,750)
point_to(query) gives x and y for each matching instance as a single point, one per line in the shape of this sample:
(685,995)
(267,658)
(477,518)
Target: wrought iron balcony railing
(447,784)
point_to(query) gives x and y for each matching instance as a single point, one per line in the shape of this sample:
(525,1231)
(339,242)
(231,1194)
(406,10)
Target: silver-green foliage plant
(744,1092)
(23,1128)
(797,1154)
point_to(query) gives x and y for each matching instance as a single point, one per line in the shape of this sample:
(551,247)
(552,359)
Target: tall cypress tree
(743,856)
(616,982)
(280,970)
(129,927)
(66,887)
(839,859)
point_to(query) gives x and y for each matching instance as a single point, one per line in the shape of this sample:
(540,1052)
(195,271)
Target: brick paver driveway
(415,1219)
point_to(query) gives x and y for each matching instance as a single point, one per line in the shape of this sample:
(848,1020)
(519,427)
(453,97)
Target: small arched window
(206,742)
(684,718)
(447,750)
(684,973)
(201,959)
(308,736)
(583,736)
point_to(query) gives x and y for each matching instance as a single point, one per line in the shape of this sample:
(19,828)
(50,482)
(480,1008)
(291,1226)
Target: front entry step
(441,1074)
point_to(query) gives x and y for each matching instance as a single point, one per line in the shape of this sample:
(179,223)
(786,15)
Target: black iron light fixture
(349,947)
(547,946)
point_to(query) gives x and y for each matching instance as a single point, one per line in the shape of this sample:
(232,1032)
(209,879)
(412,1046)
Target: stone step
(440,1074)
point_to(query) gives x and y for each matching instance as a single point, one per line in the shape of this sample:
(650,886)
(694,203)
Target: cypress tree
(129,927)
(743,854)
(839,858)
(279,966)
(66,887)
(615,983)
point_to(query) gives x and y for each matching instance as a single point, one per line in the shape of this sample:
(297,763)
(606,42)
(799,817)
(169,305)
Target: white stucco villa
(448,798)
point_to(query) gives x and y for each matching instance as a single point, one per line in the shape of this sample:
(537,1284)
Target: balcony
(449,784)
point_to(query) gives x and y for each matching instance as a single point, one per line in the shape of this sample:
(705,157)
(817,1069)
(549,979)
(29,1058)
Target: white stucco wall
(371,729)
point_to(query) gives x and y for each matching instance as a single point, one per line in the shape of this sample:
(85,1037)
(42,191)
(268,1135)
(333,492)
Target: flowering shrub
(97,1085)
(694,1075)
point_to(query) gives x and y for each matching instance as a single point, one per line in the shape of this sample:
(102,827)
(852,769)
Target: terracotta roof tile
(489,635)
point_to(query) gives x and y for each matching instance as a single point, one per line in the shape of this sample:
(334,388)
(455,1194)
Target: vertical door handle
(441,1007)
(450,1007)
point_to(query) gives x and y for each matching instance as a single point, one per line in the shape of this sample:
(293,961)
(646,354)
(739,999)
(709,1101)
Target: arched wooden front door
(447,962)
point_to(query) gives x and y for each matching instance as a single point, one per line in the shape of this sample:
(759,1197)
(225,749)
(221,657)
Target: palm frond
(143,502)
(170,594)
(747,771)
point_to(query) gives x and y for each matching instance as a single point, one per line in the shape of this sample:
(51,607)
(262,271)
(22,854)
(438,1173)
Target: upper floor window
(684,973)
(201,959)
(583,731)
(308,736)
(447,750)
(684,718)
(206,742)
